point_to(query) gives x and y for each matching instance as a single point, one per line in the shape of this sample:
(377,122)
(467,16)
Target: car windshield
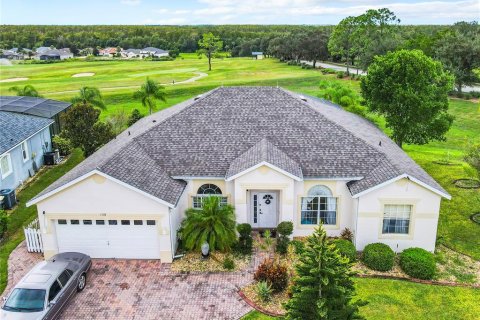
(25,300)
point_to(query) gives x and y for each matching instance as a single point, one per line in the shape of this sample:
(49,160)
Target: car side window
(54,290)
(64,277)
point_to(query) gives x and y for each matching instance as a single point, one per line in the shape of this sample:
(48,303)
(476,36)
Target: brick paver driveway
(140,289)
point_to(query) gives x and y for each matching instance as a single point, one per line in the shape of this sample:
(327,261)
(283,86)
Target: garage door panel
(111,240)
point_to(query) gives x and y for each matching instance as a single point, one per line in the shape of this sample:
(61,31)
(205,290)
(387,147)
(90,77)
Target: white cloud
(168,21)
(131,2)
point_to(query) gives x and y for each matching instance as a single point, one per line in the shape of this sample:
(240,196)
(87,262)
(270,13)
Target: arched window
(319,206)
(207,190)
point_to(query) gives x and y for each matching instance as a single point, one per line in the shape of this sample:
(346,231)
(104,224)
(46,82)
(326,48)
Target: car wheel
(82,281)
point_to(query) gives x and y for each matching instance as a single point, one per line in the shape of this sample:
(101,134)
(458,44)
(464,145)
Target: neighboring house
(13,54)
(26,127)
(40,107)
(272,154)
(23,140)
(131,53)
(44,53)
(153,52)
(108,52)
(257,55)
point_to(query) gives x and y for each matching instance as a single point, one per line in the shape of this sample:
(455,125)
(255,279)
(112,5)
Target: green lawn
(21,214)
(401,300)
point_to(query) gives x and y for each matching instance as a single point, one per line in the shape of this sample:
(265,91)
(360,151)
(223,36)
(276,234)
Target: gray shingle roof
(15,128)
(228,129)
(264,151)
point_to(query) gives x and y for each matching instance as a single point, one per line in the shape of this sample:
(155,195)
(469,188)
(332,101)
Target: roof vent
(303,98)
(128,132)
(154,121)
(380,143)
(198,97)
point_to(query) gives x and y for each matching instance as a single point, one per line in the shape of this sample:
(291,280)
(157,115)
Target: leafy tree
(214,223)
(343,41)
(472,156)
(209,45)
(410,90)
(90,96)
(323,287)
(82,128)
(314,46)
(26,91)
(149,92)
(343,96)
(134,117)
(459,50)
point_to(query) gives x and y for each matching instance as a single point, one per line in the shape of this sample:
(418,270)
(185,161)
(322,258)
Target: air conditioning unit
(51,158)
(9,198)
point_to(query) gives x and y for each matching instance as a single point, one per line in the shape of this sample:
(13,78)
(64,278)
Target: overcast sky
(193,12)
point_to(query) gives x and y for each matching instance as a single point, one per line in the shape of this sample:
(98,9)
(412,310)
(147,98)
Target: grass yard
(402,300)
(21,214)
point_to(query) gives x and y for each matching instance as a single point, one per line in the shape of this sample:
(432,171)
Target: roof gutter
(27,138)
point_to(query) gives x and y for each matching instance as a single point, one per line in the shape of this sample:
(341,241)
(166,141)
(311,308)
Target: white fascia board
(197,178)
(333,178)
(264,163)
(29,137)
(383,184)
(89,174)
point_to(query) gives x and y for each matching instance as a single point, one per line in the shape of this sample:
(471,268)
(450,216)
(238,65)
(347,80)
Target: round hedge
(378,256)
(418,263)
(346,248)
(285,228)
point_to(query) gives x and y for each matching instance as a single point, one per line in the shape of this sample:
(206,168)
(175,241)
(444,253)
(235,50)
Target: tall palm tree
(149,92)
(214,223)
(89,95)
(27,91)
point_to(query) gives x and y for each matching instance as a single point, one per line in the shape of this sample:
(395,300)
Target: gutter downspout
(171,232)
(356,222)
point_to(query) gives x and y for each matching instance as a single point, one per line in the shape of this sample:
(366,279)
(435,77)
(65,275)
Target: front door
(264,209)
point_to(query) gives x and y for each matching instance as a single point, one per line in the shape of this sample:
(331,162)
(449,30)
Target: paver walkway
(147,289)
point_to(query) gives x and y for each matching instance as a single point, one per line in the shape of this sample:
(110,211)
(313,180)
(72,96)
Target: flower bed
(273,307)
(193,262)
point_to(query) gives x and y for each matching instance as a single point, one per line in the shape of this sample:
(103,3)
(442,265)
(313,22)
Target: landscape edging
(257,307)
(431,282)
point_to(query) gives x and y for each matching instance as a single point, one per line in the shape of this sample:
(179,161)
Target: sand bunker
(13,79)
(83,74)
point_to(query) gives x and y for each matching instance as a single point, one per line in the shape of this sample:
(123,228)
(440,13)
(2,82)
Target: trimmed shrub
(274,273)
(346,249)
(347,234)
(228,263)
(264,291)
(63,145)
(378,256)
(298,245)
(340,74)
(282,245)
(418,263)
(285,228)
(245,241)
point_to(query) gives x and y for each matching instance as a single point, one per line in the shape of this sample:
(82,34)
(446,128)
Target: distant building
(257,55)
(46,53)
(154,52)
(131,53)
(14,54)
(108,52)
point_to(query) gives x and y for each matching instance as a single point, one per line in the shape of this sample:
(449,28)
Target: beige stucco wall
(423,222)
(97,197)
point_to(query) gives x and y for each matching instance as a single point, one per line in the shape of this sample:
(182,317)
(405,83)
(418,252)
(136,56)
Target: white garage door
(127,239)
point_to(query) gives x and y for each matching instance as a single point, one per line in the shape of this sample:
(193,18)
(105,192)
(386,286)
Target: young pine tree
(323,288)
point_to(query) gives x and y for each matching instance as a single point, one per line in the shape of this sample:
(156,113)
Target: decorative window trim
(5,174)
(400,215)
(24,150)
(318,207)
(208,190)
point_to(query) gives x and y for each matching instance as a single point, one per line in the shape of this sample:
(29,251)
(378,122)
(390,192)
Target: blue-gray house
(26,128)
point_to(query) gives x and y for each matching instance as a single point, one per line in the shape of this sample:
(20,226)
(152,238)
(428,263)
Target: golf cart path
(199,75)
(362,72)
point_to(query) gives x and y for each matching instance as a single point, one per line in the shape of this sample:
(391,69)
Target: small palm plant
(214,223)
(264,291)
(149,93)
(89,95)
(26,91)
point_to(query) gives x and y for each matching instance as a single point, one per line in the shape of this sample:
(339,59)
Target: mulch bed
(193,262)
(272,308)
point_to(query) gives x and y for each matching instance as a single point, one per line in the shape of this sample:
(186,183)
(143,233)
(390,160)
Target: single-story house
(131,53)
(257,55)
(271,153)
(108,52)
(53,54)
(154,52)
(14,54)
(26,127)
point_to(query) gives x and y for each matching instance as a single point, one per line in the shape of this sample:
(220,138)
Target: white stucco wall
(423,222)
(97,197)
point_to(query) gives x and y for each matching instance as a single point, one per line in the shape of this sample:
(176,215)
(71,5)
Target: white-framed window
(319,206)
(6,165)
(396,218)
(207,190)
(24,147)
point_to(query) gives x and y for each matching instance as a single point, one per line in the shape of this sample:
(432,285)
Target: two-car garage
(109,238)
